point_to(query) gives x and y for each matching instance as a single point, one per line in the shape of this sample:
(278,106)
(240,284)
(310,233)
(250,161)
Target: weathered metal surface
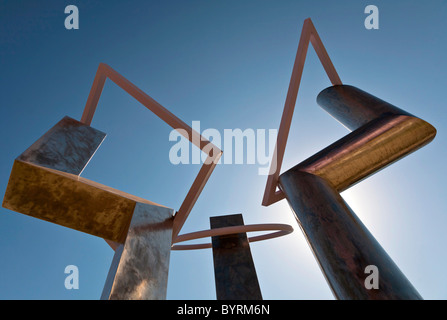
(54,194)
(68,201)
(139,269)
(368,149)
(354,107)
(67,147)
(45,183)
(342,245)
(234,269)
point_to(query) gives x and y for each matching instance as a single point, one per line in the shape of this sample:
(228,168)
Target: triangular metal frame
(308,34)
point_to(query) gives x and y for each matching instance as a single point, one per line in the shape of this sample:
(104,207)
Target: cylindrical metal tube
(342,245)
(354,107)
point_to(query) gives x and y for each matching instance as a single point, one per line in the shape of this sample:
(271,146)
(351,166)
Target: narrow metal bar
(287,115)
(193,194)
(214,153)
(323,55)
(308,34)
(234,270)
(94,95)
(104,71)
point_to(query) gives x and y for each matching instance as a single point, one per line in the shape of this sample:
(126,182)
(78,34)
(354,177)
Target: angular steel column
(234,270)
(342,245)
(45,184)
(139,269)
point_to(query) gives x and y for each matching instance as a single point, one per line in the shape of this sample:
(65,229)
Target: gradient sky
(226,64)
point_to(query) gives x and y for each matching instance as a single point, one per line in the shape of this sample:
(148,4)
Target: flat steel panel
(139,270)
(67,147)
(234,269)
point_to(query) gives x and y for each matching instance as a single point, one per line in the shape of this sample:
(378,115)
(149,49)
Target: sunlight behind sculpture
(45,183)
(382,134)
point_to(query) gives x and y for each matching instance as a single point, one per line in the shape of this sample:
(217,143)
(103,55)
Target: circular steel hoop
(281,230)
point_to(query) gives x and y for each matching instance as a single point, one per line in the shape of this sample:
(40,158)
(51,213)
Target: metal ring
(281,230)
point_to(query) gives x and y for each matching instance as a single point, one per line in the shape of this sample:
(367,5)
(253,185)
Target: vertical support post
(342,245)
(139,270)
(234,270)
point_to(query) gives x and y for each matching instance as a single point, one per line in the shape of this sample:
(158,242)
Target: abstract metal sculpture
(213,152)
(45,183)
(382,134)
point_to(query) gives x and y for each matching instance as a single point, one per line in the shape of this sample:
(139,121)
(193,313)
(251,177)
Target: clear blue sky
(226,64)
